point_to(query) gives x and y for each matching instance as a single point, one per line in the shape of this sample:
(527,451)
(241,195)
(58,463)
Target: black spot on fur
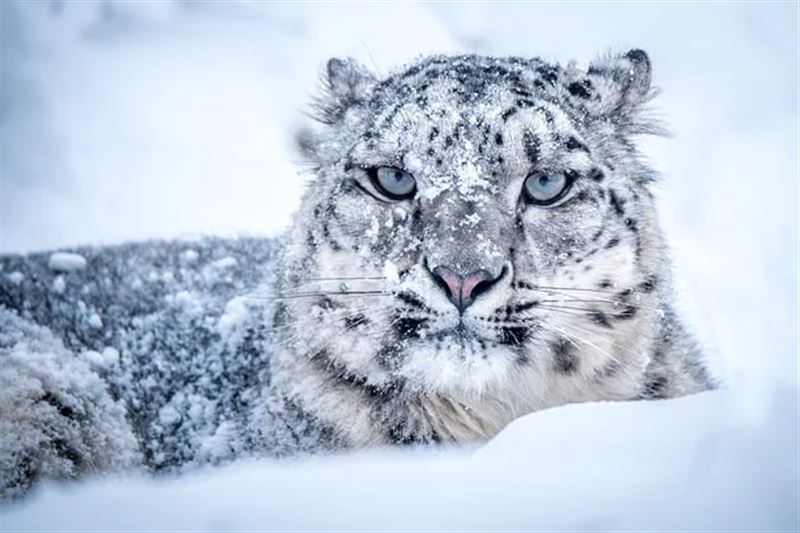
(389,356)
(649,283)
(612,243)
(610,369)
(655,388)
(326,303)
(519,308)
(582,197)
(599,318)
(581,89)
(508,113)
(616,203)
(337,372)
(434,133)
(407,327)
(637,56)
(566,362)
(326,233)
(574,144)
(352,322)
(498,139)
(400,435)
(63,410)
(596,174)
(413,301)
(513,336)
(281,316)
(628,312)
(67,452)
(548,74)
(531,143)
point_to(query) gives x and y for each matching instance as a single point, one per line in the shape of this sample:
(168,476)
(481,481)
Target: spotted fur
(582,310)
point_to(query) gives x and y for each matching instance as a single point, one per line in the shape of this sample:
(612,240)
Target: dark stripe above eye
(531,143)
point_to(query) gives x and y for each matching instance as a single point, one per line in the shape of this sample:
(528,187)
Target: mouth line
(460,332)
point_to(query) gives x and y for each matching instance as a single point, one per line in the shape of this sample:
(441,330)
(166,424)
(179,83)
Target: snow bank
(687,464)
(66,262)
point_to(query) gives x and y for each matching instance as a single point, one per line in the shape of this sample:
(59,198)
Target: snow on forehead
(462,167)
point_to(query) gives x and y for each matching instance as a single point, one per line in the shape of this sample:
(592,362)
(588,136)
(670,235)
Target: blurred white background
(131,120)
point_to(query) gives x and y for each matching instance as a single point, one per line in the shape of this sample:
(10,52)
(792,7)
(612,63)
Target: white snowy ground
(126,120)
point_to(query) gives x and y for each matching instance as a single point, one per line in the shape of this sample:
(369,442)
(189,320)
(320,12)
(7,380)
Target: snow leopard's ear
(617,87)
(345,84)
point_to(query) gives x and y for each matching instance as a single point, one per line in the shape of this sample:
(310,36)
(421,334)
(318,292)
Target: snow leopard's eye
(542,188)
(393,182)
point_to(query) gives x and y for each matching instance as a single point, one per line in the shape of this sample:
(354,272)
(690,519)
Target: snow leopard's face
(474,219)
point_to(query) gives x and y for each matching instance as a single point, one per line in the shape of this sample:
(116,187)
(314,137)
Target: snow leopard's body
(366,343)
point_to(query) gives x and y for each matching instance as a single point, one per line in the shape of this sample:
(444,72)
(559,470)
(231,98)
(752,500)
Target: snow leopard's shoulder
(177,330)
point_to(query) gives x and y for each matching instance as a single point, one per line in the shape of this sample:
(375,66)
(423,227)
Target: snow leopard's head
(474,219)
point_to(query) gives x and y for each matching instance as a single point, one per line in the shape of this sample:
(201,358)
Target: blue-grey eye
(545,188)
(394,183)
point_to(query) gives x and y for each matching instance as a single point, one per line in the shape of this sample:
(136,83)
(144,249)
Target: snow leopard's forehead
(467,89)
(465,122)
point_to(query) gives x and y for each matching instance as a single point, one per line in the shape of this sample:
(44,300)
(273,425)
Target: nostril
(481,287)
(474,284)
(486,282)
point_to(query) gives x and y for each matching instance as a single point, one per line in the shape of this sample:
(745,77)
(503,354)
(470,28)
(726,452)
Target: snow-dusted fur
(579,308)
(357,342)
(165,341)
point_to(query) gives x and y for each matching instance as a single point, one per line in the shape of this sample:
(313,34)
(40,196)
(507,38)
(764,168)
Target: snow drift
(685,464)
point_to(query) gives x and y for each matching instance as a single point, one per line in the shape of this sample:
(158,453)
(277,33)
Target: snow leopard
(479,241)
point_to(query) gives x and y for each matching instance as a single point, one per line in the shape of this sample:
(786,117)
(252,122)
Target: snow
(236,312)
(95,321)
(59,284)
(390,272)
(189,257)
(15,277)
(202,111)
(101,360)
(67,262)
(723,474)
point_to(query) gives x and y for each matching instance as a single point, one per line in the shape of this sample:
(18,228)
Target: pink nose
(462,290)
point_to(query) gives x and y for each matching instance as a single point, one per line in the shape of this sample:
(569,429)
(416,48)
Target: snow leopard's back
(176,329)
